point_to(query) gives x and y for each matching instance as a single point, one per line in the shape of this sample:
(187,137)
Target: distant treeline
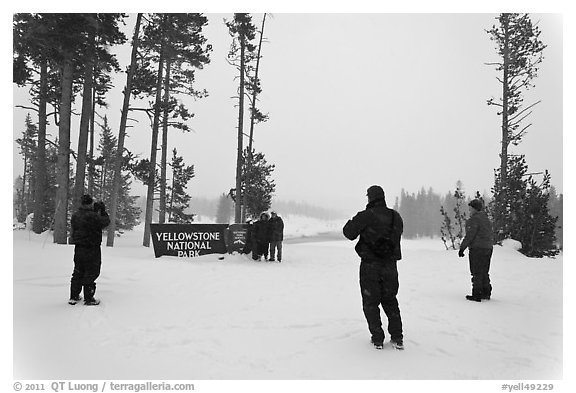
(422,218)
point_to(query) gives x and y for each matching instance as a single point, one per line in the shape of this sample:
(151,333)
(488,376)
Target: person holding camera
(380,229)
(87,225)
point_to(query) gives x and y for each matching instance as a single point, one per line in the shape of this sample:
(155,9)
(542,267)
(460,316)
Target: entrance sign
(237,234)
(188,240)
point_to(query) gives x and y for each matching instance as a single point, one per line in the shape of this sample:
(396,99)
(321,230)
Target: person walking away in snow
(87,224)
(380,230)
(276,236)
(478,240)
(261,235)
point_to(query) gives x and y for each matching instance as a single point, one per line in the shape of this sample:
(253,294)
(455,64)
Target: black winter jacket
(87,226)
(379,217)
(478,232)
(276,229)
(261,231)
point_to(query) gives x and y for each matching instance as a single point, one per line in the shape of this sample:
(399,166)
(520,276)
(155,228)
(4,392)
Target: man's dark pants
(479,268)
(87,263)
(379,286)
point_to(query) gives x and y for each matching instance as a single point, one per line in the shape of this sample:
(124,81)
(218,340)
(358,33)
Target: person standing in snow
(380,230)
(261,236)
(276,236)
(479,241)
(87,224)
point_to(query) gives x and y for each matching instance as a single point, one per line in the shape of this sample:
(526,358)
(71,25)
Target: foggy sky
(354,100)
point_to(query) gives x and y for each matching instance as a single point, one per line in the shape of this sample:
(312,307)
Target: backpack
(381,245)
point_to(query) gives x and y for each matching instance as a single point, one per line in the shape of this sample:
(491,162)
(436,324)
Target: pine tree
(173,47)
(105,163)
(537,231)
(506,206)
(122,133)
(28,150)
(101,32)
(522,213)
(49,198)
(446,230)
(127,212)
(186,50)
(242,52)
(521,52)
(33,55)
(258,184)
(454,224)
(178,199)
(460,213)
(515,193)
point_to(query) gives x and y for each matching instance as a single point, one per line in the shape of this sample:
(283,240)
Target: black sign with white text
(188,240)
(237,237)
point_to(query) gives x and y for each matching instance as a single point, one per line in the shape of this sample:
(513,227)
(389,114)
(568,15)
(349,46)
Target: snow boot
(92,302)
(74,299)
(89,291)
(486,293)
(377,344)
(473,298)
(398,344)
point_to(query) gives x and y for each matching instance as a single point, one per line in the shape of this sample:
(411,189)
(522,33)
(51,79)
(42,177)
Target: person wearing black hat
(87,224)
(380,230)
(478,240)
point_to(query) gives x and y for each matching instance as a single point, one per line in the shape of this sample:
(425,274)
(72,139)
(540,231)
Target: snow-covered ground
(236,319)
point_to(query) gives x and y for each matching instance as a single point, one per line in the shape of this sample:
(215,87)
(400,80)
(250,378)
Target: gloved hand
(99,207)
(461,253)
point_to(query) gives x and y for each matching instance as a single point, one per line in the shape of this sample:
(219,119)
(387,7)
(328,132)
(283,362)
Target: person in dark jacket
(378,270)
(261,236)
(276,236)
(478,240)
(87,224)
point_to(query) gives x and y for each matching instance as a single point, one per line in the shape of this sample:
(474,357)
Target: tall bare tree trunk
(84,126)
(63,165)
(172,195)
(254,95)
(505,93)
(122,135)
(40,171)
(153,149)
(90,170)
(23,212)
(239,159)
(254,98)
(163,160)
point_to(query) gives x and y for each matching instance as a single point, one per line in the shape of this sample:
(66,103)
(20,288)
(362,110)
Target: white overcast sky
(357,99)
